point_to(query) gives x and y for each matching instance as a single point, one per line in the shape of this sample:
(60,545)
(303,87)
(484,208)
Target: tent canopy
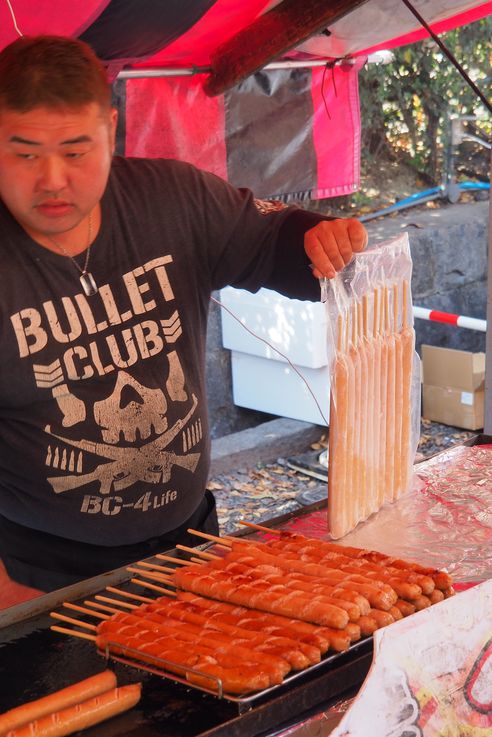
(289,133)
(246,34)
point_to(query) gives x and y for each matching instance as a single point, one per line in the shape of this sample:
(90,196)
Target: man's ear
(113,122)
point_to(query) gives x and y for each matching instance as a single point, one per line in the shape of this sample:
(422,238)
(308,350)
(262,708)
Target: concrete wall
(449,251)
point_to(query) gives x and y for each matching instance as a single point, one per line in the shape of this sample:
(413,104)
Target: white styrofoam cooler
(261,378)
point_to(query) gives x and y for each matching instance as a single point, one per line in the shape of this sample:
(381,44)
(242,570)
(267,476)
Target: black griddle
(35,661)
(45,661)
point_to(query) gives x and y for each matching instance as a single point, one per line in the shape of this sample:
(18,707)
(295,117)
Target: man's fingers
(331,244)
(358,235)
(317,253)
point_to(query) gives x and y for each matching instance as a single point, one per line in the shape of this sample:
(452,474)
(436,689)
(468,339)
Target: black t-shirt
(103,421)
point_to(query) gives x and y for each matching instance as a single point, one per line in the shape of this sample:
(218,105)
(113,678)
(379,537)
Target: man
(107,269)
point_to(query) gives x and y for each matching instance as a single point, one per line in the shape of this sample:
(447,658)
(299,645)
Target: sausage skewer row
(408,584)
(209,583)
(340,596)
(379,594)
(367,624)
(155,637)
(295,566)
(275,577)
(441,579)
(259,595)
(196,668)
(266,623)
(306,556)
(186,621)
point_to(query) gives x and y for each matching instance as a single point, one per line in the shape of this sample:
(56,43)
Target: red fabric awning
(284,133)
(176,34)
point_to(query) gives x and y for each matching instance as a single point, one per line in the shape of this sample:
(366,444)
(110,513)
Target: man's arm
(329,245)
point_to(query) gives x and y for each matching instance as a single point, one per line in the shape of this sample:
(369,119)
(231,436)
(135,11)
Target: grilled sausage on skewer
(73,694)
(82,715)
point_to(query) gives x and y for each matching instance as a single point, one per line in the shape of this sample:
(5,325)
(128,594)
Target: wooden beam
(269,36)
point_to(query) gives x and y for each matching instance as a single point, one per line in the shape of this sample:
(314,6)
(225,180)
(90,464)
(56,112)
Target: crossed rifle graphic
(128,465)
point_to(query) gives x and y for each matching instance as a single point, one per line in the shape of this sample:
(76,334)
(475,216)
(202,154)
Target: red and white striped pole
(473,323)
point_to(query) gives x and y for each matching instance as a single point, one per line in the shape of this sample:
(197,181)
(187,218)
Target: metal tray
(161,668)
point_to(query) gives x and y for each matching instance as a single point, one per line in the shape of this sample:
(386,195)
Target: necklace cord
(62,250)
(86,279)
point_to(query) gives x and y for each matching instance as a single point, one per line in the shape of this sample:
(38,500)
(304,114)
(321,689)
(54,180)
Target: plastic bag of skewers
(374,384)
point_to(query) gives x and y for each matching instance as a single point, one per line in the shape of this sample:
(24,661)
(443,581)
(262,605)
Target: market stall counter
(442,524)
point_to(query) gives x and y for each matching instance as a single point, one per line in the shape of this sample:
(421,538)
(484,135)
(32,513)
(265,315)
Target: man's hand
(331,244)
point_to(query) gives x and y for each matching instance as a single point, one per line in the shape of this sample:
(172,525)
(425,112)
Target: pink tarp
(161,122)
(170,117)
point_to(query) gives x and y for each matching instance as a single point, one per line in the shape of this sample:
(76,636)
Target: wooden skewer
(148,574)
(172,559)
(203,555)
(232,539)
(156,566)
(338,438)
(71,620)
(163,569)
(372,450)
(399,399)
(390,401)
(408,348)
(213,538)
(383,411)
(103,607)
(353,428)
(262,528)
(199,561)
(378,395)
(152,586)
(109,600)
(74,633)
(159,577)
(195,551)
(363,419)
(129,595)
(83,610)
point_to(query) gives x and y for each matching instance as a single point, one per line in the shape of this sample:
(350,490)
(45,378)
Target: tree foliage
(406,106)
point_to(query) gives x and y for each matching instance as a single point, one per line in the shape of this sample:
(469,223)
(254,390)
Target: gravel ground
(267,490)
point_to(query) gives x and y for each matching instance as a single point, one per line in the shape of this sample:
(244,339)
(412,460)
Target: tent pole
(286,64)
(488,338)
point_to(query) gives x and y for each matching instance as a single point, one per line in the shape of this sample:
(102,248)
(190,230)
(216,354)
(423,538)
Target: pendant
(88,283)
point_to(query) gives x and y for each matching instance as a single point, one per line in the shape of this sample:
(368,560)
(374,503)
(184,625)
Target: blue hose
(424,196)
(474,185)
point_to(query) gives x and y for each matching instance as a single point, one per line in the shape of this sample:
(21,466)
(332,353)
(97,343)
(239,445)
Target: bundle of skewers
(370,439)
(249,615)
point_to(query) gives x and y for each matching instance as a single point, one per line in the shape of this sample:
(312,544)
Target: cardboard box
(453,387)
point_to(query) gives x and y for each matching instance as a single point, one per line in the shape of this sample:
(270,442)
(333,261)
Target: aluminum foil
(444,522)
